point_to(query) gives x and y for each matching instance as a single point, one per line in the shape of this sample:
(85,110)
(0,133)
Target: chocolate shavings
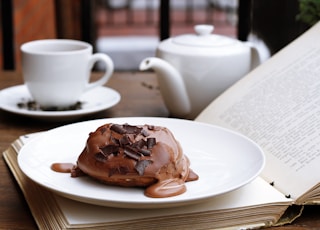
(124,140)
(132,129)
(139,144)
(118,129)
(133,150)
(144,133)
(144,152)
(110,149)
(151,142)
(141,165)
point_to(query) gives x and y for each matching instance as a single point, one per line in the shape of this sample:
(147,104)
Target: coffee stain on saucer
(34,106)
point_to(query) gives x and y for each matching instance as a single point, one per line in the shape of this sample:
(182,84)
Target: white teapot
(193,69)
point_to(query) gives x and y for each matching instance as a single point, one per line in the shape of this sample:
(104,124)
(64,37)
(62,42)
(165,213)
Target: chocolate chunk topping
(124,140)
(141,165)
(110,149)
(118,129)
(131,152)
(115,140)
(132,129)
(144,132)
(144,152)
(139,144)
(100,157)
(133,143)
(123,129)
(151,142)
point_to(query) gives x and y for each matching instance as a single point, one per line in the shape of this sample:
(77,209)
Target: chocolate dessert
(136,156)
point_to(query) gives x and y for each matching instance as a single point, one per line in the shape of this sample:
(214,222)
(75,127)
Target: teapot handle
(255,55)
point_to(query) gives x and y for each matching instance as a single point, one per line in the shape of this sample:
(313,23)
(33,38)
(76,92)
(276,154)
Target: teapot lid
(203,38)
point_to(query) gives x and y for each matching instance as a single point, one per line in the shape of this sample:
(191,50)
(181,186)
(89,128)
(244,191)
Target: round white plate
(224,161)
(93,101)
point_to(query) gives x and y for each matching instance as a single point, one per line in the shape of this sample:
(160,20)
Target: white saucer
(93,101)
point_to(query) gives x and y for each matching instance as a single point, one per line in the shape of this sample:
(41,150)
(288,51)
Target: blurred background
(129,30)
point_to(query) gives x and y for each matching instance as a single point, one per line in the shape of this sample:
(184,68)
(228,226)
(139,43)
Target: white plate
(224,161)
(93,101)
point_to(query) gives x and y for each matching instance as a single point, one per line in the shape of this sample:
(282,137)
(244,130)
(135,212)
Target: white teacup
(57,71)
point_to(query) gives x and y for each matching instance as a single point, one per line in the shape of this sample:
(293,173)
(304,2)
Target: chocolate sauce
(166,188)
(62,167)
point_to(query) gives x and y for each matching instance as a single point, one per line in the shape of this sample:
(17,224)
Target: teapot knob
(202,30)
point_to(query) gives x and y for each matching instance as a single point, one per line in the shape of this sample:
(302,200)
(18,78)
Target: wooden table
(140,97)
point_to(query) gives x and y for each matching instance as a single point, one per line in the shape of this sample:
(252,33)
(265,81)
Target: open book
(277,105)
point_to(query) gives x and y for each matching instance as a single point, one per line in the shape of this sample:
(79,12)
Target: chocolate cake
(136,156)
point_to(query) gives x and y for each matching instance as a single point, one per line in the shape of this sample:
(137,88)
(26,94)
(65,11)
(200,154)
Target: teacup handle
(108,72)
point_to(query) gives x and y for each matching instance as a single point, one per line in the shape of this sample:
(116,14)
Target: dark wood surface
(140,97)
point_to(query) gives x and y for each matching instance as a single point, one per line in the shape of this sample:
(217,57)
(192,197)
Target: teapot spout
(171,85)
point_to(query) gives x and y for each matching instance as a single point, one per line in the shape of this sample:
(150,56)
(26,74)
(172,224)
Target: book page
(278,106)
(254,194)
